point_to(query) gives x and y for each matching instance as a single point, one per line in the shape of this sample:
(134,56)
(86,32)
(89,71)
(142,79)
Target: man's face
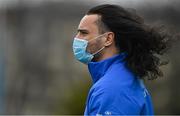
(88,30)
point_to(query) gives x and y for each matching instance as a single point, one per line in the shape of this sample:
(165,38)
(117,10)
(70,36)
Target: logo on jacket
(107,113)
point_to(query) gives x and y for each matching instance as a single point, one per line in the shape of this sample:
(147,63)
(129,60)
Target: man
(119,50)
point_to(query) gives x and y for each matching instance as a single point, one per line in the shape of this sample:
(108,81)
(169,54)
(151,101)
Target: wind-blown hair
(142,43)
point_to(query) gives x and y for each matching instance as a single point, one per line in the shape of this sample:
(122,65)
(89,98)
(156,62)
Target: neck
(106,53)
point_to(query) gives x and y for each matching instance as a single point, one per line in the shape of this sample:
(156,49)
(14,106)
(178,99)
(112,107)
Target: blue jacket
(116,90)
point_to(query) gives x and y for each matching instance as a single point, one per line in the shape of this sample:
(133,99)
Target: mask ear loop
(101,48)
(98,51)
(97,37)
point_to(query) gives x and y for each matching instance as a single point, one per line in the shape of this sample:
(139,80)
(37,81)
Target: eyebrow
(82,30)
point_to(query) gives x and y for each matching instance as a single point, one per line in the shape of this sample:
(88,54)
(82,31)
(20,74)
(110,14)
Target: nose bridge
(78,35)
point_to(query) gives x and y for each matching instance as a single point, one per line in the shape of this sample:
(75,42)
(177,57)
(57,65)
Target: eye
(84,32)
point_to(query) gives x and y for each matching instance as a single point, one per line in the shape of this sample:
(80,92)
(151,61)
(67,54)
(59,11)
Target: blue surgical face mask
(80,50)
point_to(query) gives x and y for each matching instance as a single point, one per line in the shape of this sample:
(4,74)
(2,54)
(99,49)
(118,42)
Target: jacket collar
(98,69)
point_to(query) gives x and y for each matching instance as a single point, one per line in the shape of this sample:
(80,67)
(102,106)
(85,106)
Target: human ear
(109,39)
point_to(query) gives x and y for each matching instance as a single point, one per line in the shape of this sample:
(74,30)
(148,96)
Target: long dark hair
(142,43)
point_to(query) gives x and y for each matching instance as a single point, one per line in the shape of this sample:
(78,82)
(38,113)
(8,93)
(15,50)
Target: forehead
(89,22)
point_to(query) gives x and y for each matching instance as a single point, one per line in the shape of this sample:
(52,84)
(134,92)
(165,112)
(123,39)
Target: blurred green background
(38,72)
